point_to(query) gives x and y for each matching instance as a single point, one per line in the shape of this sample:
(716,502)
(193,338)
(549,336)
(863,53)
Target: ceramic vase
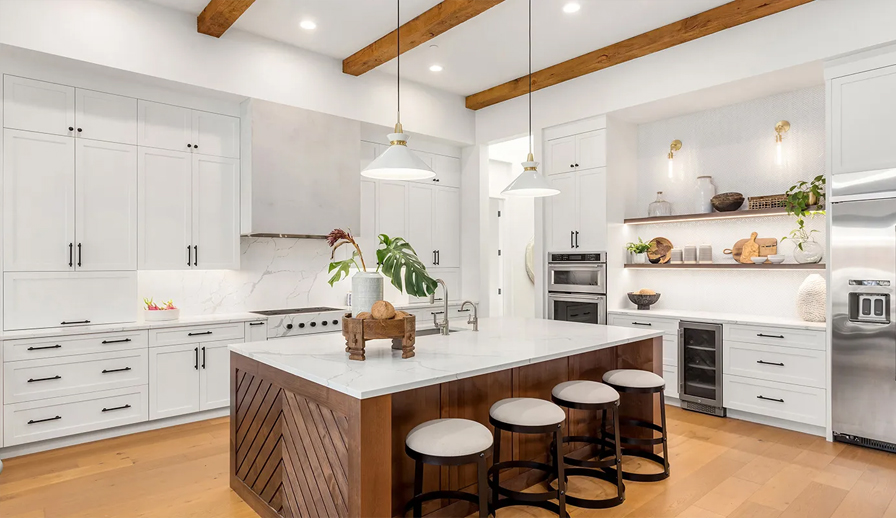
(639,258)
(811,252)
(704,191)
(367,288)
(811,297)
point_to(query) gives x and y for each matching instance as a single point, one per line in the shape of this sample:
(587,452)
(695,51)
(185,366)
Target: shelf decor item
(660,207)
(727,201)
(644,299)
(153,312)
(704,254)
(690,254)
(806,199)
(811,297)
(638,251)
(704,192)
(677,256)
(767,246)
(382,322)
(660,250)
(773,201)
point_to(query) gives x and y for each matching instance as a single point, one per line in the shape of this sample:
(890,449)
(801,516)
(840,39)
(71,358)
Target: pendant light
(398,162)
(530,183)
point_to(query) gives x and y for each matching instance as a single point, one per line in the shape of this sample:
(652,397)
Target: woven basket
(773,201)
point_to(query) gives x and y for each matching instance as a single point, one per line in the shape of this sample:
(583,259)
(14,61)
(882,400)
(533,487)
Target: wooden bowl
(660,250)
(727,201)
(643,301)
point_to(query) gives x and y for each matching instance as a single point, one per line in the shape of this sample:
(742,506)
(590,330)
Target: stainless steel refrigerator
(863,323)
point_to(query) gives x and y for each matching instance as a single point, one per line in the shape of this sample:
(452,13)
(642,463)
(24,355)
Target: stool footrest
(642,477)
(588,503)
(439,495)
(550,506)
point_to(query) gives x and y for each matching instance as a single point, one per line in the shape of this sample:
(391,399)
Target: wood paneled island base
(299,448)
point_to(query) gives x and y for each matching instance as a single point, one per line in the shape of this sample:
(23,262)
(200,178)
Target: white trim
(777,423)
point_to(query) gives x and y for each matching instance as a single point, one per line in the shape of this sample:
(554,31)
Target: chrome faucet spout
(474,318)
(443,324)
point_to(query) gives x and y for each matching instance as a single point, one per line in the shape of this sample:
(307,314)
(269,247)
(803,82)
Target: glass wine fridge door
(700,366)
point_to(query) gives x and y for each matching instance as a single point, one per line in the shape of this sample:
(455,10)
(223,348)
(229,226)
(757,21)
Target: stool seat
(634,378)
(449,438)
(585,392)
(524,411)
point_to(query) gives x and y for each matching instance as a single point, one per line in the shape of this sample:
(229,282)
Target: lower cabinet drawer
(670,375)
(769,398)
(68,415)
(775,363)
(31,380)
(191,334)
(668,326)
(36,348)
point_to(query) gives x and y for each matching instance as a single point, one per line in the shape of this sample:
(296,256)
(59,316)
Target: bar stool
(591,395)
(635,381)
(527,416)
(448,442)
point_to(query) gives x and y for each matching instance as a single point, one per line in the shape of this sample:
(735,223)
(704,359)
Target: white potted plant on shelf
(638,251)
(806,199)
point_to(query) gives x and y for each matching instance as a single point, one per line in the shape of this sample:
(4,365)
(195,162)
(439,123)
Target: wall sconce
(675,146)
(781,128)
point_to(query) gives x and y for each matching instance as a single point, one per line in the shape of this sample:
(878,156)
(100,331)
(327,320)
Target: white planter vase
(811,297)
(704,192)
(639,258)
(367,288)
(812,252)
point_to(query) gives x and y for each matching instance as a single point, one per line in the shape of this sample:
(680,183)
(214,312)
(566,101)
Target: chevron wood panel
(258,441)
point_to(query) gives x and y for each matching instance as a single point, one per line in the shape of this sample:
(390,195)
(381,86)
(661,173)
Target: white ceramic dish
(776,259)
(160,315)
(758,260)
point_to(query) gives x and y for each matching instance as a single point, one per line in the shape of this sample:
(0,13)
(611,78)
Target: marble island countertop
(723,318)
(500,344)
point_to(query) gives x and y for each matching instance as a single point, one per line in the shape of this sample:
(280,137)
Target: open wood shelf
(736,214)
(727,266)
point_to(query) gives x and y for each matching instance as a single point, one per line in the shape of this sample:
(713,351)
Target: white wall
(149,39)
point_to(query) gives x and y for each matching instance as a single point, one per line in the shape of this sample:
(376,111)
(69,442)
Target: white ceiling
(485,51)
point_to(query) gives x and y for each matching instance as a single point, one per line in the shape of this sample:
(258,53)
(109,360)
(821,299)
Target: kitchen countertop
(500,344)
(724,318)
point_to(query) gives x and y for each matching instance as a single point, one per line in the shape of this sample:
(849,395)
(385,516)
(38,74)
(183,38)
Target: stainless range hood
(300,175)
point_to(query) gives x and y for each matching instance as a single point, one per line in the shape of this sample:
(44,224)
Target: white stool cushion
(585,392)
(634,378)
(524,411)
(449,438)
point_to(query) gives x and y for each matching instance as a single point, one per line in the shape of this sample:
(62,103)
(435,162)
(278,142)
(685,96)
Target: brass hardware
(781,128)
(530,158)
(675,146)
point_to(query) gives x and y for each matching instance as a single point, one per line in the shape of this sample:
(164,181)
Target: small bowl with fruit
(153,312)
(644,298)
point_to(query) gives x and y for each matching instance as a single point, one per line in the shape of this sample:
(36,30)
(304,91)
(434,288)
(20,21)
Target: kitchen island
(316,434)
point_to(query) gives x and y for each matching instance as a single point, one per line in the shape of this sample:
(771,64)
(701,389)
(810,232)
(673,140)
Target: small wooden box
(402,332)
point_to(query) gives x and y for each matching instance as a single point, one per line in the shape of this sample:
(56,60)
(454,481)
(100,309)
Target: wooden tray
(402,332)
(767,246)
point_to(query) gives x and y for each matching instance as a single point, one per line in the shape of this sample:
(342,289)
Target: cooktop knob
(288,326)
(313,324)
(301,326)
(335,322)
(324,323)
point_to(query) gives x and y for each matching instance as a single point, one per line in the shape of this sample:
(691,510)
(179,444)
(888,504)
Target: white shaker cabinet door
(107,117)
(561,212)
(591,193)
(38,106)
(368,209)
(392,209)
(164,126)
(164,209)
(216,213)
(863,114)
(216,135)
(105,206)
(447,170)
(214,375)
(420,224)
(173,380)
(446,227)
(38,202)
(591,150)
(561,155)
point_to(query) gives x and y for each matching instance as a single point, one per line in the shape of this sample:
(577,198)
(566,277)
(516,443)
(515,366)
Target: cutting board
(767,246)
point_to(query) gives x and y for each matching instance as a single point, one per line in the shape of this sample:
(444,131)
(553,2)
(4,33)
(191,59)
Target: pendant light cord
(530,77)
(398,52)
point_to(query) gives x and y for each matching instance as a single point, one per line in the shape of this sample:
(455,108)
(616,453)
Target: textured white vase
(704,191)
(367,288)
(811,299)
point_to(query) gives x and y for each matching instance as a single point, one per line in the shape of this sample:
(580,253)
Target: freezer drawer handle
(107,371)
(57,377)
(122,407)
(642,323)
(35,421)
(57,346)
(763,362)
(763,335)
(65,323)
(197,334)
(770,399)
(123,340)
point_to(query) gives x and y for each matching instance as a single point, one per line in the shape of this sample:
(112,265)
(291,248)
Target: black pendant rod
(398,52)
(530,77)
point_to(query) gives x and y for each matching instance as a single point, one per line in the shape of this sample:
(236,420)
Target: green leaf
(342,268)
(396,256)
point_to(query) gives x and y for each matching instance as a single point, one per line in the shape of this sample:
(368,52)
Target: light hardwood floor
(720,468)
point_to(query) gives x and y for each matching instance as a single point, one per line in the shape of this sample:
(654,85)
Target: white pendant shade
(398,162)
(530,183)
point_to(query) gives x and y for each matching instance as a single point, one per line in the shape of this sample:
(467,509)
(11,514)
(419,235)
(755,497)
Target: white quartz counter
(500,344)
(722,318)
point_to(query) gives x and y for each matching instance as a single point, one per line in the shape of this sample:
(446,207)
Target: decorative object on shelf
(644,298)
(690,254)
(759,259)
(803,200)
(530,183)
(704,254)
(153,312)
(660,251)
(660,207)
(767,246)
(808,251)
(395,256)
(400,327)
(675,146)
(677,256)
(771,201)
(781,128)
(638,251)
(750,249)
(398,162)
(704,191)
(727,201)
(811,299)
(776,258)
(530,260)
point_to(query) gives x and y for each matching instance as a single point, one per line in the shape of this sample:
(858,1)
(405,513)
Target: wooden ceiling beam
(703,24)
(219,15)
(435,21)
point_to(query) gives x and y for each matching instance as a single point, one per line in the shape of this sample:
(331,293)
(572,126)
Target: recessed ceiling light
(571,7)
(435,68)
(308,25)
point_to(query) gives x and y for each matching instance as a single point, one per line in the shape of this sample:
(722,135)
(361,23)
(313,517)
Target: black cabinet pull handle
(79,255)
(577,165)
(80,130)
(770,399)
(122,407)
(433,257)
(769,336)
(438,257)
(107,371)
(437,312)
(571,244)
(189,255)
(195,146)
(577,234)
(196,364)
(256,323)
(199,334)
(463,310)
(572,165)
(71,128)
(769,363)
(66,323)
(203,356)
(71,255)
(57,377)
(35,421)
(642,323)
(116,341)
(57,346)
(195,255)
(190,145)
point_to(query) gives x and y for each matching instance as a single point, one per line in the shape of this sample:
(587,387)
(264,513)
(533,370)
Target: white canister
(690,254)
(703,193)
(367,288)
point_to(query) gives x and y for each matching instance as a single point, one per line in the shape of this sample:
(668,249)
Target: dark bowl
(727,201)
(643,301)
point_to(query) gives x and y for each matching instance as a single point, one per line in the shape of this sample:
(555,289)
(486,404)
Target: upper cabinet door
(164,126)
(447,170)
(216,135)
(420,217)
(105,206)
(164,209)
(561,155)
(216,213)
(446,230)
(592,227)
(38,202)
(863,114)
(591,150)
(107,117)
(561,213)
(392,209)
(38,106)
(368,209)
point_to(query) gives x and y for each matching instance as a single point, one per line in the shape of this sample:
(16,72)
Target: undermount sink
(434,331)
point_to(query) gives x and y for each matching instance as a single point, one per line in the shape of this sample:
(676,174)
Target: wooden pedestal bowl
(643,301)
(402,332)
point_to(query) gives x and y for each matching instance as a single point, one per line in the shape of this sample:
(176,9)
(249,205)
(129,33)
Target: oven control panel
(584,257)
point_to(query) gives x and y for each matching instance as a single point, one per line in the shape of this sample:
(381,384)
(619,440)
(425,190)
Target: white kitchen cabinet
(368,209)
(165,217)
(577,217)
(256,331)
(164,126)
(392,208)
(216,135)
(421,208)
(576,152)
(561,155)
(863,113)
(216,213)
(105,206)
(560,212)
(214,375)
(446,226)
(38,106)
(173,380)
(39,196)
(447,169)
(106,117)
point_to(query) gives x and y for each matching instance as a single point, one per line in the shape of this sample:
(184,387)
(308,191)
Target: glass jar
(808,252)
(704,191)
(660,207)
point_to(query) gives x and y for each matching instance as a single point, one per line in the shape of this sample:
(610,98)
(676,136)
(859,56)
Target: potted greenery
(806,199)
(638,251)
(396,258)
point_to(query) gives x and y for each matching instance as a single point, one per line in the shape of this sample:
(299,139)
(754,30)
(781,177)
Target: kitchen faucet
(474,318)
(443,325)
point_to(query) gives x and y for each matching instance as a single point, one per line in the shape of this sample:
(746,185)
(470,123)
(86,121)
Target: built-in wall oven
(577,287)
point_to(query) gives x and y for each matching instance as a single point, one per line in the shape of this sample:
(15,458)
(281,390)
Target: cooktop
(294,311)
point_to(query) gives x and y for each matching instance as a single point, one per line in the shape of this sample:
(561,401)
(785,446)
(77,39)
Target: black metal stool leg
(561,476)
(620,486)
(664,433)
(603,445)
(496,459)
(418,487)
(482,470)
